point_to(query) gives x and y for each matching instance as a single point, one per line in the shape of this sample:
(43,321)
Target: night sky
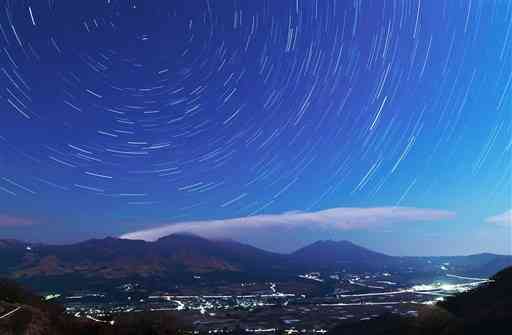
(277,123)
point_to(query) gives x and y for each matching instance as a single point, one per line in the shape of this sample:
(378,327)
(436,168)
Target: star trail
(118,116)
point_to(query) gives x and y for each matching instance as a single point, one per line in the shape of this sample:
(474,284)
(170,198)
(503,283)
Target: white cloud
(502,219)
(341,218)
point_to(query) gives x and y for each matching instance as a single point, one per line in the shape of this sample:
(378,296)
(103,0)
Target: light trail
(469,278)
(10,313)
(367,303)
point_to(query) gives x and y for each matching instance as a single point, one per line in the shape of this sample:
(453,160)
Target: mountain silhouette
(178,257)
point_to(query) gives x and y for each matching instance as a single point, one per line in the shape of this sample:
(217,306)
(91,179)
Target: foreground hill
(23,313)
(486,309)
(492,301)
(179,257)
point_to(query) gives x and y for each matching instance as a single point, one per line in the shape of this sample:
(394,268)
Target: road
(10,313)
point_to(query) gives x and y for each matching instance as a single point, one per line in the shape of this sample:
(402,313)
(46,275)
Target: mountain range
(180,257)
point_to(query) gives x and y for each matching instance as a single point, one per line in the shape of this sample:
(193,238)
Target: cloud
(341,218)
(14,221)
(503,219)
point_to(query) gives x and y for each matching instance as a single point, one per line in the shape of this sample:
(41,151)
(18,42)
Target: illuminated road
(10,313)
(90,317)
(365,303)
(439,289)
(468,278)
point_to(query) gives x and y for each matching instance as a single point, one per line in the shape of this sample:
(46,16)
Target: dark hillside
(23,313)
(484,310)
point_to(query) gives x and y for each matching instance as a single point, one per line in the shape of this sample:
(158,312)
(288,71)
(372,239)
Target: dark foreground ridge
(486,309)
(23,313)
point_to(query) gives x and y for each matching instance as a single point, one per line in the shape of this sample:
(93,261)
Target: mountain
(486,309)
(490,266)
(12,253)
(178,258)
(329,254)
(479,265)
(223,255)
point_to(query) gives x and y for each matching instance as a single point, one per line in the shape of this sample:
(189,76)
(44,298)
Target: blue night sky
(277,123)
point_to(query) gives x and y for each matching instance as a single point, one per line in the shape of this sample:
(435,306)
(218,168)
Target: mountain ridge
(184,234)
(179,257)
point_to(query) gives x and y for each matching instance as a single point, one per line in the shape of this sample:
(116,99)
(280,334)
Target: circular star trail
(168,109)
